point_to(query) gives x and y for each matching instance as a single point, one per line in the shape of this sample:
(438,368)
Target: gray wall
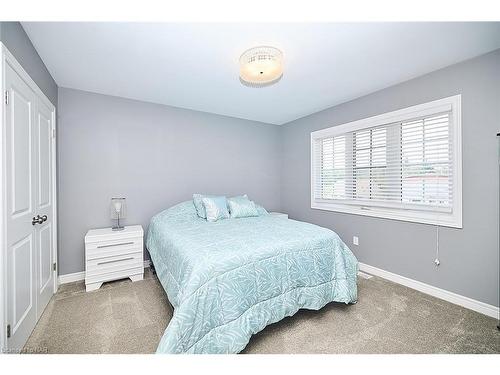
(469,256)
(155,156)
(17,42)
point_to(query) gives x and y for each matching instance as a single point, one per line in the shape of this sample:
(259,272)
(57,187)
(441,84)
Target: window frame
(424,215)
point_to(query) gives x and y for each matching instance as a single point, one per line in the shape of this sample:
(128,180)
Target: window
(403,165)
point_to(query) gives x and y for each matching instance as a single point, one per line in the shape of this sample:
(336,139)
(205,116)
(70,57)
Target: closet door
(21,179)
(44,205)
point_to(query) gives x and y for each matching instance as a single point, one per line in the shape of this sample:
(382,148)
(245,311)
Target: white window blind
(403,169)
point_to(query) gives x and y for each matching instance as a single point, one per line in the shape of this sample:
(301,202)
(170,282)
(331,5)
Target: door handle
(44,218)
(37,220)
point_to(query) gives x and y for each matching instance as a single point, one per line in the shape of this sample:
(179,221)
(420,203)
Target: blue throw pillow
(215,208)
(242,207)
(198,204)
(261,210)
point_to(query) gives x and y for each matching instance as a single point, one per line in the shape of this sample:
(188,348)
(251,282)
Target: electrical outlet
(355,240)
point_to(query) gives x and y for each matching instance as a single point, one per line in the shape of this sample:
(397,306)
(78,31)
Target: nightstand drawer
(122,261)
(111,247)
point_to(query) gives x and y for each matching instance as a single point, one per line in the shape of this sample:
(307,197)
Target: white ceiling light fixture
(261,66)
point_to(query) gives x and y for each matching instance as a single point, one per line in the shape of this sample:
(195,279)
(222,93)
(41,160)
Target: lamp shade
(118,208)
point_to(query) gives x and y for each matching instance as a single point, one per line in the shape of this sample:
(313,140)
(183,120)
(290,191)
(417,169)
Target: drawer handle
(115,255)
(115,244)
(114,261)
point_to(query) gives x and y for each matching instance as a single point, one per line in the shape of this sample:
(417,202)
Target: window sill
(414,216)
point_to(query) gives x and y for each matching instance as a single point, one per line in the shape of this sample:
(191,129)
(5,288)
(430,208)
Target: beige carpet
(126,317)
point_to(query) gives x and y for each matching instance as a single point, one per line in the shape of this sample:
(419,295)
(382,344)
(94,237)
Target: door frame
(7,58)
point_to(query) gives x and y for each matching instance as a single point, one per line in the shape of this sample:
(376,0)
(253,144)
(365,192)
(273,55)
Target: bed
(229,279)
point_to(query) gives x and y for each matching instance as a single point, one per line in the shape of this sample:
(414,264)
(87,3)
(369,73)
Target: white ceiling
(195,66)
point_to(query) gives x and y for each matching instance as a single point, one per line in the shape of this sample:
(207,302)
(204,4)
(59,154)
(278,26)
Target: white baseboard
(364,275)
(79,276)
(457,299)
(71,277)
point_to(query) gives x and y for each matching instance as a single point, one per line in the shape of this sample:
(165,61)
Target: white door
(20,207)
(29,205)
(44,206)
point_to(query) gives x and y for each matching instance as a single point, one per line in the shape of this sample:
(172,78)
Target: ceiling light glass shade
(261,66)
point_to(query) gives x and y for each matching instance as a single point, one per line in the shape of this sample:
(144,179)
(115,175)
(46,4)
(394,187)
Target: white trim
(54,197)
(79,276)
(454,298)
(71,277)
(3,229)
(421,217)
(435,106)
(453,219)
(364,275)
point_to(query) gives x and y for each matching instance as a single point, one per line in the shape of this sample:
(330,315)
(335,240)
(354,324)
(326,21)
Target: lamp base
(118,226)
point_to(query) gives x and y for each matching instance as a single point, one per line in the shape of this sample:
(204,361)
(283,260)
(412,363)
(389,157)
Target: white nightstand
(112,255)
(279,214)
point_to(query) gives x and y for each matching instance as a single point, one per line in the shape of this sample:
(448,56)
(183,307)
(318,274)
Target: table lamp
(118,211)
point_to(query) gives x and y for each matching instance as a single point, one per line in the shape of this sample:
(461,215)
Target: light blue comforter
(229,279)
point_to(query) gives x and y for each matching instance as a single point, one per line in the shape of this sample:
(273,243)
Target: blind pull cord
(436,261)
